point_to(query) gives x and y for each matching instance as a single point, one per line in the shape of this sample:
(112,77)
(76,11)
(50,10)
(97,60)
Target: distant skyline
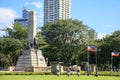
(101,15)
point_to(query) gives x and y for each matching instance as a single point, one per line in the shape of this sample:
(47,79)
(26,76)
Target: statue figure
(35,43)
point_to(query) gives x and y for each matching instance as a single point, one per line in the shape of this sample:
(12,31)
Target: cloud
(39,10)
(37,4)
(101,35)
(7,16)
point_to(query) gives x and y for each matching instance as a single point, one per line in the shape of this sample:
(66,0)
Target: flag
(115,54)
(91,48)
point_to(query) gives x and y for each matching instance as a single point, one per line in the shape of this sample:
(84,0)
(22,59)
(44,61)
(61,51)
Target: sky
(101,15)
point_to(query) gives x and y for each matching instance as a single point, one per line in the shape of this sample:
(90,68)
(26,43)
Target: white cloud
(101,35)
(7,16)
(37,4)
(38,8)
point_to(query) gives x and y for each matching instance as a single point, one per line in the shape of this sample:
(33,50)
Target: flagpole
(111,63)
(96,62)
(88,69)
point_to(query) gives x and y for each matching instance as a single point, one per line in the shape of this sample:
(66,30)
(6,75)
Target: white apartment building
(56,9)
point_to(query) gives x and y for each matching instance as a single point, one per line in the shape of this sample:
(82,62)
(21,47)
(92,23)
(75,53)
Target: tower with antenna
(24,20)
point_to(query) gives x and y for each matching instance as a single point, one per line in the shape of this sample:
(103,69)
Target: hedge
(103,73)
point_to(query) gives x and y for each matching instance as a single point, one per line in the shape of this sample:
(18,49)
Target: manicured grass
(54,77)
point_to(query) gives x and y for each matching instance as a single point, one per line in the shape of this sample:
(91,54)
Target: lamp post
(96,50)
(58,73)
(78,73)
(46,64)
(68,72)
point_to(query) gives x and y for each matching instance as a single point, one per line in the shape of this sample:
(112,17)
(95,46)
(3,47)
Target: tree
(10,49)
(13,44)
(65,38)
(109,44)
(18,32)
(41,42)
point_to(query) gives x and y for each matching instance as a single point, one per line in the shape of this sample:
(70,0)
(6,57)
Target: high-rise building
(25,13)
(21,21)
(24,20)
(56,9)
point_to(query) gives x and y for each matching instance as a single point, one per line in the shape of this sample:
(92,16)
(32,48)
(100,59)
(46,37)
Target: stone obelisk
(31,56)
(32,26)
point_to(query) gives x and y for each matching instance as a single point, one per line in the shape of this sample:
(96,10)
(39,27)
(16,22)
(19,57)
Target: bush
(74,73)
(25,73)
(108,73)
(103,73)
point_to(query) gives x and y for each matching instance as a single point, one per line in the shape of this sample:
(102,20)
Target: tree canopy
(109,44)
(18,32)
(13,44)
(66,38)
(10,49)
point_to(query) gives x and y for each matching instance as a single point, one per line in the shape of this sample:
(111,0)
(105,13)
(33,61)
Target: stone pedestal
(10,68)
(56,66)
(93,68)
(35,69)
(30,58)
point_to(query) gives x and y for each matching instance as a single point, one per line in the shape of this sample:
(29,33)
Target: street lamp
(78,72)
(46,64)
(68,72)
(96,50)
(58,73)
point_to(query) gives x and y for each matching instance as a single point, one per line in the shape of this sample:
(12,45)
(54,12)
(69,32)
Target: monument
(31,58)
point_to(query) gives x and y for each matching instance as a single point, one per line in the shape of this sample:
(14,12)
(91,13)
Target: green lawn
(54,77)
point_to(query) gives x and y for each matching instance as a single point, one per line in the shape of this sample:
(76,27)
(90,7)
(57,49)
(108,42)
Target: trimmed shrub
(101,73)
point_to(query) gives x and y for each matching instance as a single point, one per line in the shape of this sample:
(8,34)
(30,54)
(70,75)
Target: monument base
(30,58)
(35,69)
(56,66)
